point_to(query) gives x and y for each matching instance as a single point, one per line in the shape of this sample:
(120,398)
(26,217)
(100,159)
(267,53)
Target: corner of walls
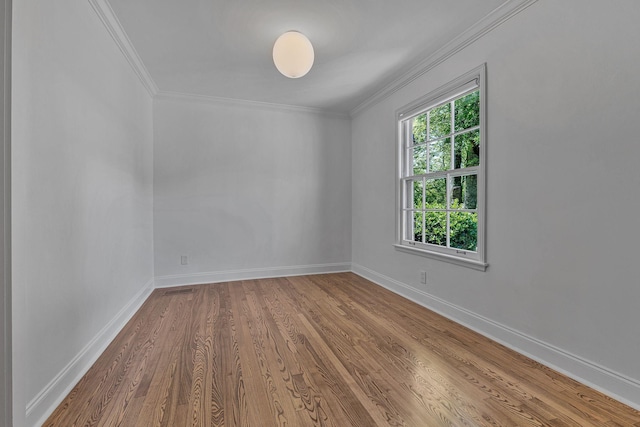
(45,402)
(613,384)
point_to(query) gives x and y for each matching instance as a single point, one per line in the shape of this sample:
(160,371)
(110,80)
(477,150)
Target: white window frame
(463,84)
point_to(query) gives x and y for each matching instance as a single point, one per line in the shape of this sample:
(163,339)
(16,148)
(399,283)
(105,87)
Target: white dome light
(293,54)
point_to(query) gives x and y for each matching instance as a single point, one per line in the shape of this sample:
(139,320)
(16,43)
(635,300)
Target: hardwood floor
(325,350)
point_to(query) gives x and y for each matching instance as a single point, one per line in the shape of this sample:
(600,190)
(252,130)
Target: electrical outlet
(184,260)
(423,277)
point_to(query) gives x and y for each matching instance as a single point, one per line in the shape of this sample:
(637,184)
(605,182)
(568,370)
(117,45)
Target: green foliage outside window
(434,155)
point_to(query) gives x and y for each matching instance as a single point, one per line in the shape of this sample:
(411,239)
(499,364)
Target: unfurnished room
(262,213)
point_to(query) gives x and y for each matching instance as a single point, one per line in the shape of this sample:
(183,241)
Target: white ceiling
(222,48)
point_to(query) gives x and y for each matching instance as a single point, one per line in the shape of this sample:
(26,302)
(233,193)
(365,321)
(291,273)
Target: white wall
(82,195)
(243,190)
(563,183)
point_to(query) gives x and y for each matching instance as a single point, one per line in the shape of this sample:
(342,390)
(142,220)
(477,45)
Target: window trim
(449,91)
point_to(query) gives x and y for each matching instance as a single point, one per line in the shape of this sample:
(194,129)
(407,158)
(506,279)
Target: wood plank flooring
(324,350)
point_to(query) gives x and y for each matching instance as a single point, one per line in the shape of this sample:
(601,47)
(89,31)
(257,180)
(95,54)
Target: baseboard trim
(45,402)
(607,381)
(249,274)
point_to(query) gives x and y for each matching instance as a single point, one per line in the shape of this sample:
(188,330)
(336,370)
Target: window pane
(417,194)
(436,228)
(420,128)
(464,192)
(417,226)
(436,195)
(464,231)
(467,111)
(419,156)
(467,150)
(440,155)
(440,121)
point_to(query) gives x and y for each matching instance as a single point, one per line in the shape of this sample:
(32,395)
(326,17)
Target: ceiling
(222,48)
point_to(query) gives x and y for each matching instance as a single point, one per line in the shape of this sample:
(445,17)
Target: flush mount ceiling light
(293,54)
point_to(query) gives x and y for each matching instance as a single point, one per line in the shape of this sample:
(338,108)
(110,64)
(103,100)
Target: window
(441,191)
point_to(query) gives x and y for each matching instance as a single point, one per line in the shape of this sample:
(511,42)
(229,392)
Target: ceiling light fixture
(293,54)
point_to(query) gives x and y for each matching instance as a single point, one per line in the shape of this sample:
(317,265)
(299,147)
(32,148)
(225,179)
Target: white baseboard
(607,381)
(45,402)
(613,384)
(249,274)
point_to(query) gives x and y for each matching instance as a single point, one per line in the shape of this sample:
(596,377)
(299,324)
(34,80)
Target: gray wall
(5,206)
(82,194)
(563,182)
(243,189)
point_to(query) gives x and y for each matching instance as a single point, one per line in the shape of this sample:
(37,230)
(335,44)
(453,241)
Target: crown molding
(494,19)
(232,102)
(111,22)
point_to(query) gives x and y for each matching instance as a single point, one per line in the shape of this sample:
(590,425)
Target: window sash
(408,208)
(454,134)
(440,174)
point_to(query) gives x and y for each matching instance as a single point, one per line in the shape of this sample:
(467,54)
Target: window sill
(464,262)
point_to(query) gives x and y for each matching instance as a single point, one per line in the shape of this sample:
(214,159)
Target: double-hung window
(441,187)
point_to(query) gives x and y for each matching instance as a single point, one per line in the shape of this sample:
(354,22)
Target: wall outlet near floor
(184,260)
(423,277)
